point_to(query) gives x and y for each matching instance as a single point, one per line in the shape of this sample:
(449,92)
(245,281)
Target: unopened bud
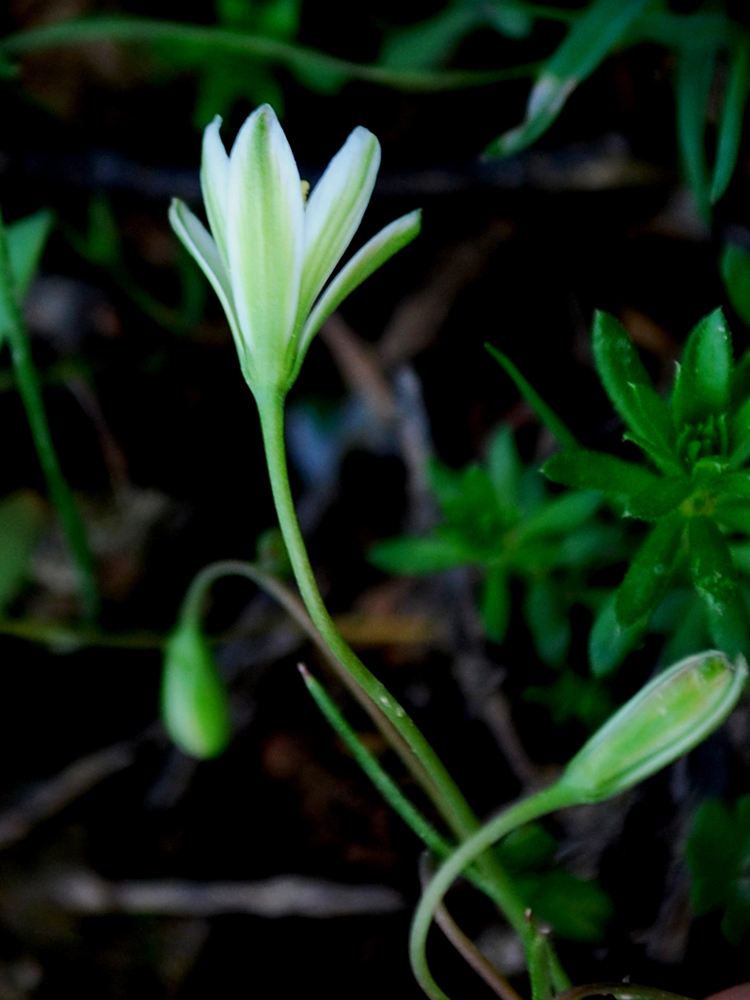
(193,699)
(668,717)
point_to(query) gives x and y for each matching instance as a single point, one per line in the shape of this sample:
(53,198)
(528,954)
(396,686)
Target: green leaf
(718,851)
(629,388)
(469,502)
(417,556)
(504,470)
(732,115)
(597,471)
(573,697)
(734,484)
(590,545)
(703,383)
(735,272)
(715,579)
(21,519)
(609,641)
(544,412)
(595,33)
(495,604)
(647,579)
(510,19)
(695,71)
(688,633)
(659,499)
(739,436)
(526,848)
(430,43)
(548,619)
(27,239)
(734,514)
(578,909)
(560,515)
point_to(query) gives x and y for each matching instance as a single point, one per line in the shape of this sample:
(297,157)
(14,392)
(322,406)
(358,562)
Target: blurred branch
(296,57)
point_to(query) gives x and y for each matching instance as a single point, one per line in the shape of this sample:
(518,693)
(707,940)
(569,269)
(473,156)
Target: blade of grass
(28,386)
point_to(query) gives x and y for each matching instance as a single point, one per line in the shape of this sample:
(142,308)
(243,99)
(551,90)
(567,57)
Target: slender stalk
(414,749)
(207,38)
(27,380)
(544,801)
(623,991)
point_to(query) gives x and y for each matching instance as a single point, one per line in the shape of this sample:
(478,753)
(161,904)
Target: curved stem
(413,748)
(207,38)
(545,801)
(30,391)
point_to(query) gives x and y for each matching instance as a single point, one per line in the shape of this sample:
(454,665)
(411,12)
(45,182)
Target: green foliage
(27,239)
(498,518)
(571,696)
(698,441)
(718,851)
(21,519)
(578,909)
(735,271)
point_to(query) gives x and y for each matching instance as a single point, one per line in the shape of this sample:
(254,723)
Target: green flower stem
(415,751)
(297,57)
(543,802)
(27,380)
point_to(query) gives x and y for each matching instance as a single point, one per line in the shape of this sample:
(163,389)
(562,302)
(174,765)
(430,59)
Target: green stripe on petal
(215,185)
(373,255)
(265,218)
(334,211)
(200,245)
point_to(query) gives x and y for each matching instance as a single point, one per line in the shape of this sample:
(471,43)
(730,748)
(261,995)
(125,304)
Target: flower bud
(193,699)
(668,717)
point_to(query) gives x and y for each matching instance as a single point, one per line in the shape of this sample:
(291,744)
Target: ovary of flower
(271,252)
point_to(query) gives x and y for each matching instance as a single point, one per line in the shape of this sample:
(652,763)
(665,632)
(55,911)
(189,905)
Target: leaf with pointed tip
(504,470)
(609,641)
(545,413)
(715,579)
(417,556)
(656,434)
(560,515)
(595,33)
(732,115)
(594,470)
(659,499)
(430,43)
(703,383)
(647,579)
(734,514)
(695,71)
(739,436)
(734,484)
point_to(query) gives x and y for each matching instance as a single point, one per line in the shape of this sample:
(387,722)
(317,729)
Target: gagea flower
(270,253)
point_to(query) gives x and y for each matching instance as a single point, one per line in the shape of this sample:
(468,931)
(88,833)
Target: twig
(282,896)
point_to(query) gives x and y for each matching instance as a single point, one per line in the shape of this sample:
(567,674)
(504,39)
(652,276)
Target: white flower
(270,253)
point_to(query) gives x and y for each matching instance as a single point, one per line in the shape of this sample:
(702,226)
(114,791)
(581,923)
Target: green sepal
(548,621)
(594,470)
(647,579)
(735,272)
(715,579)
(495,604)
(659,499)
(194,703)
(609,641)
(703,383)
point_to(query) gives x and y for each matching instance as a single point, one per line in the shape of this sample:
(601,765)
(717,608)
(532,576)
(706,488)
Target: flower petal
(198,242)
(215,184)
(373,255)
(264,241)
(334,211)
